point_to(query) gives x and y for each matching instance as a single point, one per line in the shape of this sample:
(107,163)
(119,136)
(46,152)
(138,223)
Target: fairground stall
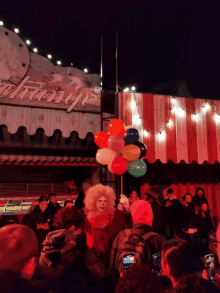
(48,117)
(182,136)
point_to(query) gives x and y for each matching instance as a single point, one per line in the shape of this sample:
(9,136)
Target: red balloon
(116,127)
(101,139)
(119,165)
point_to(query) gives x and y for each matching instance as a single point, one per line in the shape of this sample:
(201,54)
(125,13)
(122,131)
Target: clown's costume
(103,220)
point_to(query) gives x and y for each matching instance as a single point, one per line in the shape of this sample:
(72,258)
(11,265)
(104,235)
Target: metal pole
(116,63)
(101,77)
(119,179)
(116,77)
(101,116)
(121,184)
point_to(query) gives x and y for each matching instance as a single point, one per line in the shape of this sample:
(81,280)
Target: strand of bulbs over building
(35,50)
(179,112)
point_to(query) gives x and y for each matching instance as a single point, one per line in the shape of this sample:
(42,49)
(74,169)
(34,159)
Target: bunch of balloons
(121,150)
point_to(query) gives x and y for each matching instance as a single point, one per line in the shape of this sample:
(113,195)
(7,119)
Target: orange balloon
(131,152)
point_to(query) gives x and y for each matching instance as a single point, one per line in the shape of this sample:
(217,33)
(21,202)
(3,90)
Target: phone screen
(157,262)
(210,265)
(128,259)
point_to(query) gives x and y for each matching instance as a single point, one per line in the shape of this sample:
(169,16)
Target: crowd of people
(187,218)
(139,245)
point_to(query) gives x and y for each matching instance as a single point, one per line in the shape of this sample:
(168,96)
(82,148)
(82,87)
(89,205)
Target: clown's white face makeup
(101,204)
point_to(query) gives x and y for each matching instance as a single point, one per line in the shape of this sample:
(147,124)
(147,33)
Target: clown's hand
(124,201)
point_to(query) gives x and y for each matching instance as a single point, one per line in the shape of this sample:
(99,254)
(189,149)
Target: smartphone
(210,265)
(128,259)
(156,261)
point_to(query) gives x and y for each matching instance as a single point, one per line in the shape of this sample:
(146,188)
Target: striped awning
(11,159)
(39,149)
(49,119)
(171,130)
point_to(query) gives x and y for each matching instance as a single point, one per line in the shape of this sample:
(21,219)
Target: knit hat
(141,212)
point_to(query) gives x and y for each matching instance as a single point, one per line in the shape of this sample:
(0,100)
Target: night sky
(156,43)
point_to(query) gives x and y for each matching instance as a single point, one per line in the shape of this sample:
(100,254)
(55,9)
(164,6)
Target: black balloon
(142,148)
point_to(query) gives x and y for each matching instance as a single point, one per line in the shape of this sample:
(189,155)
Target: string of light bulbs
(35,50)
(196,115)
(178,111)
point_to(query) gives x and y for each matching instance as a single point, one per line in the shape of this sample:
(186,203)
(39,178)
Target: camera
(156,260)
(128,259)
(209,260)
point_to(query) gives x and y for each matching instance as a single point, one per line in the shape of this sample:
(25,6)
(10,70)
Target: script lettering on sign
(29,93)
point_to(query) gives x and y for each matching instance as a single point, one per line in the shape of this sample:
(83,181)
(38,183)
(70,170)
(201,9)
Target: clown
(103,220)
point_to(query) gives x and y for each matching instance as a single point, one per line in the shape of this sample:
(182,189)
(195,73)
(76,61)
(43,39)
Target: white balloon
(105,156)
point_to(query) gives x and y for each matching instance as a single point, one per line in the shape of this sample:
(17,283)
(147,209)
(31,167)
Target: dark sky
(156,43)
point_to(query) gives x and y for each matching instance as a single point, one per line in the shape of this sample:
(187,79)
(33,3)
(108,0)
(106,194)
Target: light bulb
(217,118)
(169,123)
(16,30)
(86,70)
(206,107)
(162,135)
(137,120)
(126,89)
(146,133)
(71,64)
(59,62)
(133,88)
(49,56)
(1,23)
(35,50)
(195,117)
(180,112)
(174,101)
(133,105)
(28,42)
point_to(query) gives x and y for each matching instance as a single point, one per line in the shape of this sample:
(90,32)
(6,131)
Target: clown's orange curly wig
(97,191)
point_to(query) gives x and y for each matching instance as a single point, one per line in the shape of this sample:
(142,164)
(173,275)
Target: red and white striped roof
(184,138)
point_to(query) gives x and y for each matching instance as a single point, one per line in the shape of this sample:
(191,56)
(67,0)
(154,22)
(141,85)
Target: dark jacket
(138,229)
(171,214)
(68,265)
(79,203)
(38,217)
(196,200)
(157,216)
(12,282)
(53,209)
(187,216)
(204,225)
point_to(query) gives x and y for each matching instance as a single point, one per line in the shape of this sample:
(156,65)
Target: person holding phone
(171,209)
(140,279)
(181,265)
(205,226)
(41,220)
